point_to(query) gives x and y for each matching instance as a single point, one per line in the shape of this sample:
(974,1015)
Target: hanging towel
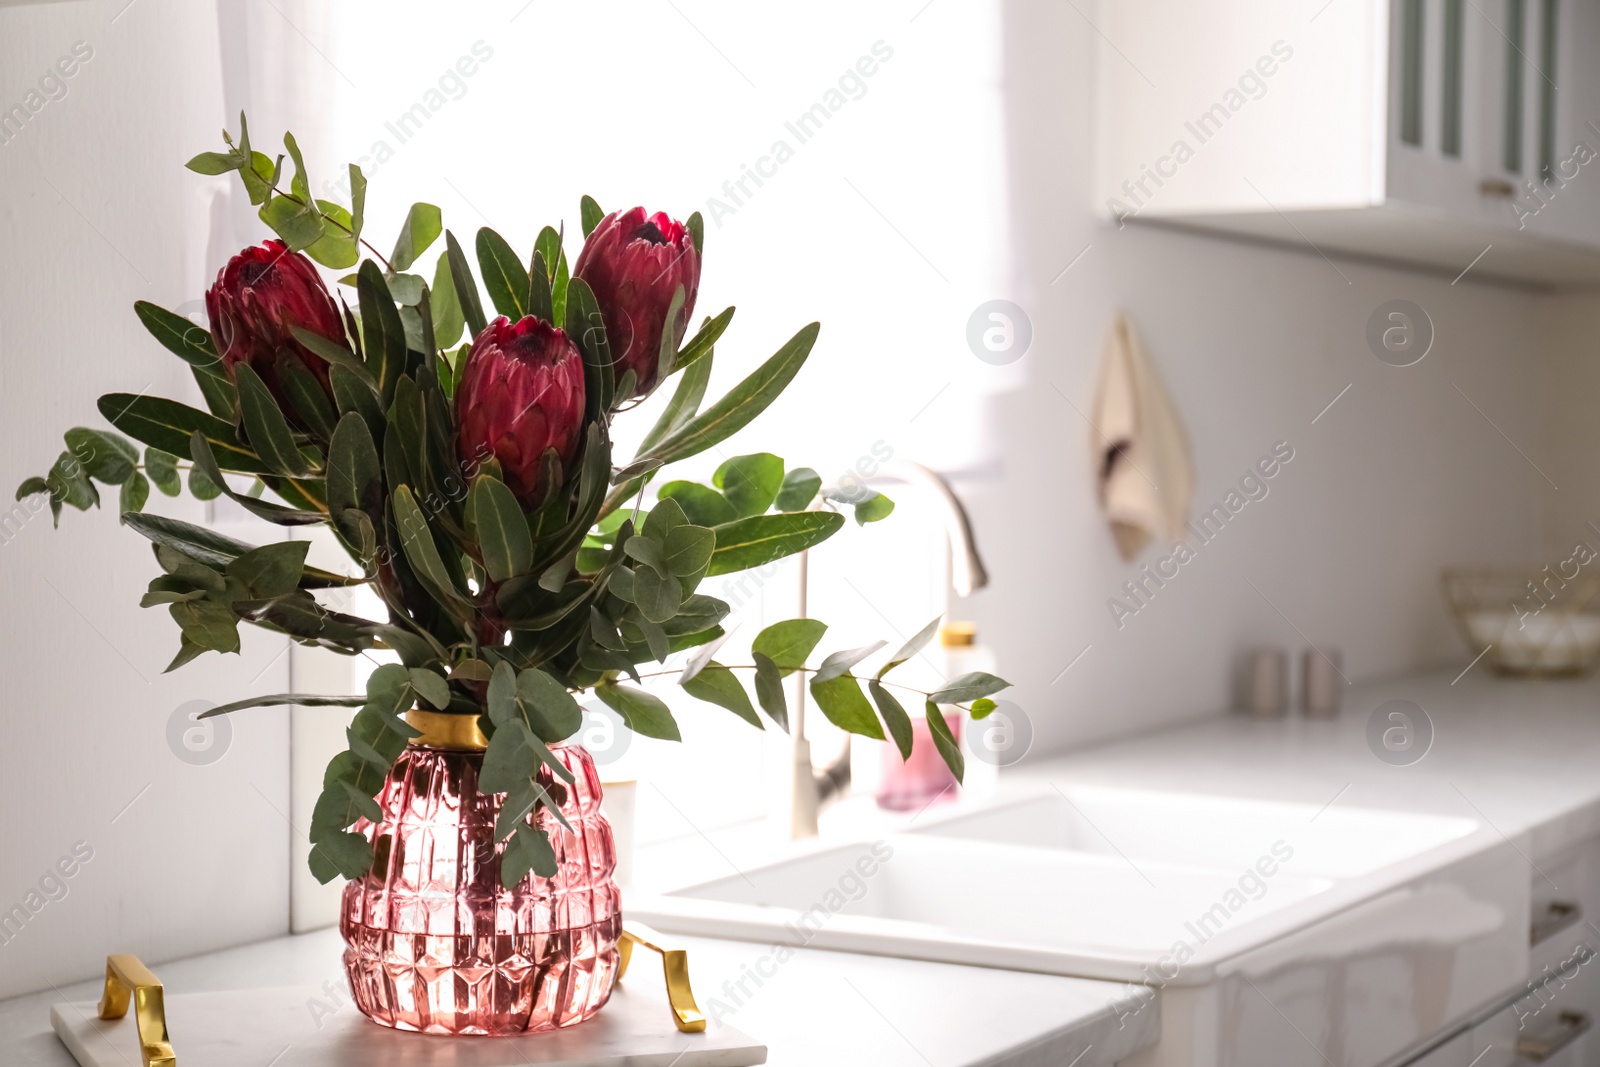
(1142,455)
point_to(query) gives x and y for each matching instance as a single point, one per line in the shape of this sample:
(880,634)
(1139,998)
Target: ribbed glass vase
(437,945)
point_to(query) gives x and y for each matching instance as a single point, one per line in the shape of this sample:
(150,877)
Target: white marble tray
(292,1027)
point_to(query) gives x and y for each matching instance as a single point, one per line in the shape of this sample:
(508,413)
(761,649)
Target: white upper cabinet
(1432,132)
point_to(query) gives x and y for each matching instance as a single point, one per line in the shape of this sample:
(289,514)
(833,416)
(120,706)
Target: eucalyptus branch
(330,219)
(924,693)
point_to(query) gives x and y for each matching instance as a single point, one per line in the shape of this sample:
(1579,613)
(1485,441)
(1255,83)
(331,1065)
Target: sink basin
(1227,833)
(1094,882)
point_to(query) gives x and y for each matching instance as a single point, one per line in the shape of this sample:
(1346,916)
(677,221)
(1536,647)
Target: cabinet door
(1547,143)
(1441,110)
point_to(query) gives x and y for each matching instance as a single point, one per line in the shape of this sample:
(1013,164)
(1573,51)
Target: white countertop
(817,1007)
(1522,757)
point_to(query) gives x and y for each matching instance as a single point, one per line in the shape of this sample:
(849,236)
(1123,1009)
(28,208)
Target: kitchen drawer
(1556,1016)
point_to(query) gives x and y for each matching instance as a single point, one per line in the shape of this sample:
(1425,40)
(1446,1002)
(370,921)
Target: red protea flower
(521,394)
(258,298)
(634,265)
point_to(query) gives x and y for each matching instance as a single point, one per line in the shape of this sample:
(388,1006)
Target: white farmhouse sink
(1220,902)
(1226,833)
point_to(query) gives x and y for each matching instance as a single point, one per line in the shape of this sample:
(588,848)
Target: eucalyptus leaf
(840,662)
(945,741)
(788,644)
(800,488)
(750,483)
(842,701)
(643,712)
(422,227)
(769,691)
(969,687)
(716,684)
(911,647)
(894,717)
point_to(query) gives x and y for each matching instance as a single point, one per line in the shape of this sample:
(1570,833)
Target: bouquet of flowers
(465,464)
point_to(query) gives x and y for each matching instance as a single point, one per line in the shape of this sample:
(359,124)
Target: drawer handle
(1557,916)
(1540,1047)
(1497,188)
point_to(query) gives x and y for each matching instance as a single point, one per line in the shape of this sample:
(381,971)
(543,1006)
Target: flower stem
(923,693)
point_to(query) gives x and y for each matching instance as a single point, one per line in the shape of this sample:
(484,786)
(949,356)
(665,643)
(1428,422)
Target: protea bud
(258,299)
(521,395)
(634,265)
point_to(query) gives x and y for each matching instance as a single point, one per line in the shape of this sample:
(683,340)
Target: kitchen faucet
(812,789)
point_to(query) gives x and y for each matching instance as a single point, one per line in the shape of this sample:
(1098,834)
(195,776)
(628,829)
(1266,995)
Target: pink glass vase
(437,945)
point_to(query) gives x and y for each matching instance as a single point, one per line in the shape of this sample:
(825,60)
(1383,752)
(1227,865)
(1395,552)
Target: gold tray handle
(686,1015)
(128,979)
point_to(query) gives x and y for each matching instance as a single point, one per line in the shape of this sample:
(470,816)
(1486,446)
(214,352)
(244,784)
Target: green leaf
(358,200)
(447,320)
(548,247)
(105,457)
(982,708)
(761,539)
(551,711)
(911,647)
(466,289)
(162,467)
(799,489)
(495,521)
(701,658)
(503,275)
(337,247)
(420,549)
(201,487)
(214,163)
(683,406)
(873,508)
(701,344)
(643,712)
(840,662)
(697,233)
(894,717)
(735,410)
(646,551)
(339,854)
(214,549)
(352,392)
(656,596)
(716,684)
(750,483)
(298,222)
(769,691)
(842,701)
(178,335)
(539,301)
(31,487)
(271,570)
(221,398)
(431,687)
(135,491)
(671,330)
(422,227)
(590,214)
(355,475)
(269,431)
(306,395)
(688,550)
(969,687)
(384,335)
(528,850)
(406,288)
(945,741)
(167,424)
(788,644)
(586,328)
(701,504)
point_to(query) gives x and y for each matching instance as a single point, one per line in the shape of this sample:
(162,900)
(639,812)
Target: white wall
(1401,477)
(98,212)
